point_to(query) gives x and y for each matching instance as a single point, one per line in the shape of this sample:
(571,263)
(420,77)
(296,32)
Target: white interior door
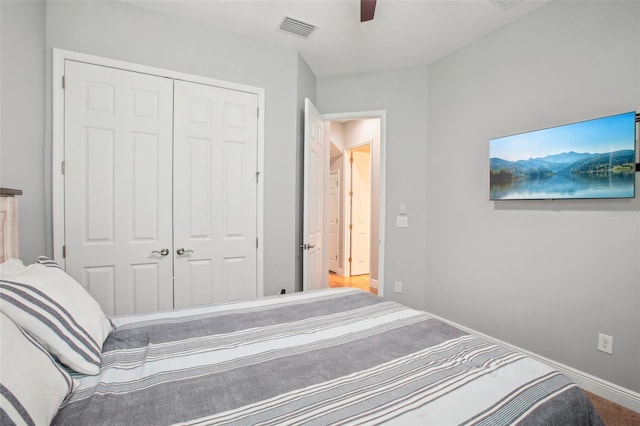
(334,220)
(118,167)
(360,210)
(215,194)
(316,146)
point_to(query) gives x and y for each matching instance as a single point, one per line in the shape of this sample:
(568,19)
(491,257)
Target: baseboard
(373,283)
(618,394)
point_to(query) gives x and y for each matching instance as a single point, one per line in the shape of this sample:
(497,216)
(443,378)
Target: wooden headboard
(9,223)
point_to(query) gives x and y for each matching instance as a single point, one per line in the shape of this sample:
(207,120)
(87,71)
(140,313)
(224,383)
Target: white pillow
(32,384)
(11,267)
(55,309)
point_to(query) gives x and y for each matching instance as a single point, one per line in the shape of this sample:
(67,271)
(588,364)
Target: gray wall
(403,94)
(22,133)
(124,32)
(544,275)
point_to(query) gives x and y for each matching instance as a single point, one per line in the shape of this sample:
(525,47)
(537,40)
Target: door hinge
(64,251)
(63,167)
(349,259)
(350,193)
(351,159)
(258,112)
(257,177)
(256,243)
(350,226)
(63,83)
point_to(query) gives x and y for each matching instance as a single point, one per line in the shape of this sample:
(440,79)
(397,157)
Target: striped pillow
(61,315)
(32,384)
(44,260)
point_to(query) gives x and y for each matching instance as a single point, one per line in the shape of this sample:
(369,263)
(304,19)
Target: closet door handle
(162,252)
(182,251)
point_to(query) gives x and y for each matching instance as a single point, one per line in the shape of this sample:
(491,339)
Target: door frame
(57,146)
(362,115)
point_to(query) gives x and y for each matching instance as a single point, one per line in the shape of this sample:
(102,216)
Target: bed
(335,356)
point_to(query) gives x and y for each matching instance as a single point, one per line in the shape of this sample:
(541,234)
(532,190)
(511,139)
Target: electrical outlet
(398,287)
(605,343)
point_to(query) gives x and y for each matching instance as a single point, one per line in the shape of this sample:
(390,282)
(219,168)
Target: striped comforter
(339,356)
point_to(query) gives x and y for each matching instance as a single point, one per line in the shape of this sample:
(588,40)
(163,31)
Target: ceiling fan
(367,10)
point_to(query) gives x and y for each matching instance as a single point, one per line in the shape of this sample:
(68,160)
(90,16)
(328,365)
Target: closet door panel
(118,178)
(215,190)
(146,189)
(98,174)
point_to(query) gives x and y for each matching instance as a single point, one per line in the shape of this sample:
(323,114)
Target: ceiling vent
(505,4)
(297,27)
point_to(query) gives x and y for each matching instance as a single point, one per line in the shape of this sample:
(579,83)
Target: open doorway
(354,200)
(322,147)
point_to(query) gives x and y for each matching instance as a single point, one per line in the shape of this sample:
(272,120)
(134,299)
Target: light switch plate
(402,221)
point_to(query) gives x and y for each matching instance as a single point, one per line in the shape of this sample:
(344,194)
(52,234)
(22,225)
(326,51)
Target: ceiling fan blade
(367,10)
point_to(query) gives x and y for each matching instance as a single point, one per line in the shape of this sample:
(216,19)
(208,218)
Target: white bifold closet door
(118,162)
(215,190)
(160,190)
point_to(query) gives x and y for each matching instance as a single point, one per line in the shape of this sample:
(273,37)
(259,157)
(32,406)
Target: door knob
(163,252)
(182,251)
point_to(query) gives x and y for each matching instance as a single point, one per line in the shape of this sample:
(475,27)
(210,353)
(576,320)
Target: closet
(160,189)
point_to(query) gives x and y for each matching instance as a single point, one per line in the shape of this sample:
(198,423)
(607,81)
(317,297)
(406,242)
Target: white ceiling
(404,33)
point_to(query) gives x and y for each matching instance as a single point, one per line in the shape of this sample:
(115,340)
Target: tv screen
(590,159)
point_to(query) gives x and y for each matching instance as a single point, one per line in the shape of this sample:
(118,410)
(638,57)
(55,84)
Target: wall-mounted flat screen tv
(590,159)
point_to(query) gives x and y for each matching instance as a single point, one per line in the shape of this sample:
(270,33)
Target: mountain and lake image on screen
(589,159)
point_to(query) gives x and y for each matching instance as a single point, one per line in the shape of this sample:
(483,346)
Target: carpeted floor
(613,414)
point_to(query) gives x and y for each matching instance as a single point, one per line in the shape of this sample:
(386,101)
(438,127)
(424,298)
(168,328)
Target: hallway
(359,281)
